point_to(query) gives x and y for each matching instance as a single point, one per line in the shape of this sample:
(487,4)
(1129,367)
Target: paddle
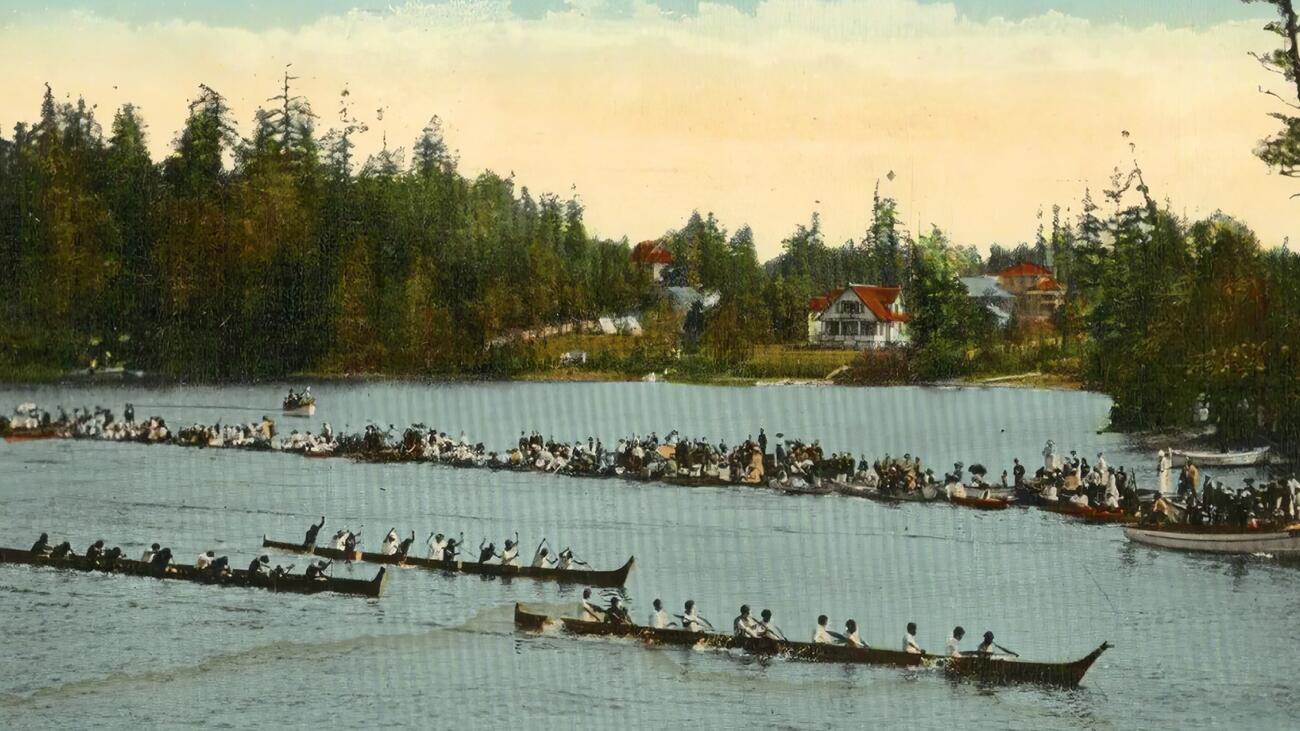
(1009,652)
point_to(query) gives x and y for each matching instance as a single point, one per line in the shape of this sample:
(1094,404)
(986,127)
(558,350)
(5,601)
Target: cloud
(755,116)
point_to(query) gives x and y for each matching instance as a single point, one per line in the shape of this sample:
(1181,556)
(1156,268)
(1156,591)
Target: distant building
(1038,295)
(989,293)
(857,316)
(653,255)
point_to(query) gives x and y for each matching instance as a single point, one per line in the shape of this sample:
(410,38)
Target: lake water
(1199,642)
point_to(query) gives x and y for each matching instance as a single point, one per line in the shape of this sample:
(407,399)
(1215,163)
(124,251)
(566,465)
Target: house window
(850,307)
(833,328)
(850,329)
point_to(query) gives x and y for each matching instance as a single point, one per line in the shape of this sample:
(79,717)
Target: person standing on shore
(1163,464)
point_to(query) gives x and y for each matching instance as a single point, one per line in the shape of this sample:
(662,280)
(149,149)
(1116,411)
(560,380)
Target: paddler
(822,636)
(312,532)
(350,543)
(486,551)
(204,560)
(437,543)
(768,628)
(691,620)
(986,647)
(909,641)
(744,625)
(567,560)
(340,538)
(390,542)
(96,550)
(316,570)
(616,613)
(953,648)
(158,564)
(541,557)
(850,637)
(62,550)
(659,617)
(147,556)
(510,554)
(405,546)
(590,612)
(41,546)
(258,566)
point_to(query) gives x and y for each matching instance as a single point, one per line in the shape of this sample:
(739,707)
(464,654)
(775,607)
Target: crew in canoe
(510,554)
(204,560)
(821,635)
(404,547)
(390,543)
(42,545)
(158,563)
(953,648)
(452,550)
(316,570)
(744,625)
(149,553)
(312,532)
(692,621)
(350,542)
(590,612)
(909,641)
(63,550)
(437,543)
(659,617)
(487,551)
(850,637)
(768,627)
(96,550)
(616,613)
(258,566)
(542,556)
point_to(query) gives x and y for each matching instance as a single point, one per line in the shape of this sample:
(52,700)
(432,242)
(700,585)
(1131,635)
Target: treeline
(279,251)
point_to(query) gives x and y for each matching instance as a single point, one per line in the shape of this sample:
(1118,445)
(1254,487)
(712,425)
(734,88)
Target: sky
(760,111)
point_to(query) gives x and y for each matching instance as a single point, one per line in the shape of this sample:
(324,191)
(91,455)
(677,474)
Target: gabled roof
(651,252)
(1025,269)
(877,299)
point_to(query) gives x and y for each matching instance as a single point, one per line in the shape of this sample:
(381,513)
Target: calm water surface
(1200,642)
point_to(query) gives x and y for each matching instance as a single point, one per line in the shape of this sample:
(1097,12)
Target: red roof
(651,252)
(1025,269)
(1046,284)
(876,299)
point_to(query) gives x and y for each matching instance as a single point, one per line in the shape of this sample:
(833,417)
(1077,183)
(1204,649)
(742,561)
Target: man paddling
(768,628)
(147,556)
(316,570)
(41,546)
(158,564)
(850,637)
(96,550)
(405,546)
(541,557)
(691,620)
(312,532)
(510,554)
(743,625)
(822,635)
(953,648)
(257,567)
(204,560)
(909,641)
(616,613)
(390,542)
(659,617)
(590,612)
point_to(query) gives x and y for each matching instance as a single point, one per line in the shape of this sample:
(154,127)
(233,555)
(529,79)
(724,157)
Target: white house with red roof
(652,254)
(857,316)
(1038,294)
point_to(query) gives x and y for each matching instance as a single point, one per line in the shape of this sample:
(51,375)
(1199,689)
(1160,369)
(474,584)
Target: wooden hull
(373,588)
(30,435)
(1087,513)
(615,578)
(1276,542)
(988,669)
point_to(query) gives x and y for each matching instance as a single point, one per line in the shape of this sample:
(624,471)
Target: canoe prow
(380,582)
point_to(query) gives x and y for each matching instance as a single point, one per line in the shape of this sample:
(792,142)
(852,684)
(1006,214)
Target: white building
(857,316)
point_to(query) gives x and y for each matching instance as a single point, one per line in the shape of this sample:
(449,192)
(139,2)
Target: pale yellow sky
(759,118)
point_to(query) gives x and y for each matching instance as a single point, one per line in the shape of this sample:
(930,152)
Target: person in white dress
(1163,465)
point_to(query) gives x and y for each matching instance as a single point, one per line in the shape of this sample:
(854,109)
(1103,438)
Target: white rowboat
(1284,542)
(1222,459)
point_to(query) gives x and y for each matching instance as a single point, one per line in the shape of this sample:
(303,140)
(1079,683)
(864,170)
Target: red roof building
(1038,294)
(652,254)
(857,316)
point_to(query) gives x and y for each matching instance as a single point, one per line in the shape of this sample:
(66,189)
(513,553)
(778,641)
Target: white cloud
(756,117)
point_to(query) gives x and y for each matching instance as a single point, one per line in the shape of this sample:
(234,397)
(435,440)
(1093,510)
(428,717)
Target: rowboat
(988,668)
(31,435)
(1242,458)
(303,409)
(1086,512)
(980,503)
(1283,542)
(292,584)
(614,578)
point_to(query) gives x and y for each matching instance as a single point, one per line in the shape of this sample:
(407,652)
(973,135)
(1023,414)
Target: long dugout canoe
(987,668)
(615,578)
(1283,543)
(291,584)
